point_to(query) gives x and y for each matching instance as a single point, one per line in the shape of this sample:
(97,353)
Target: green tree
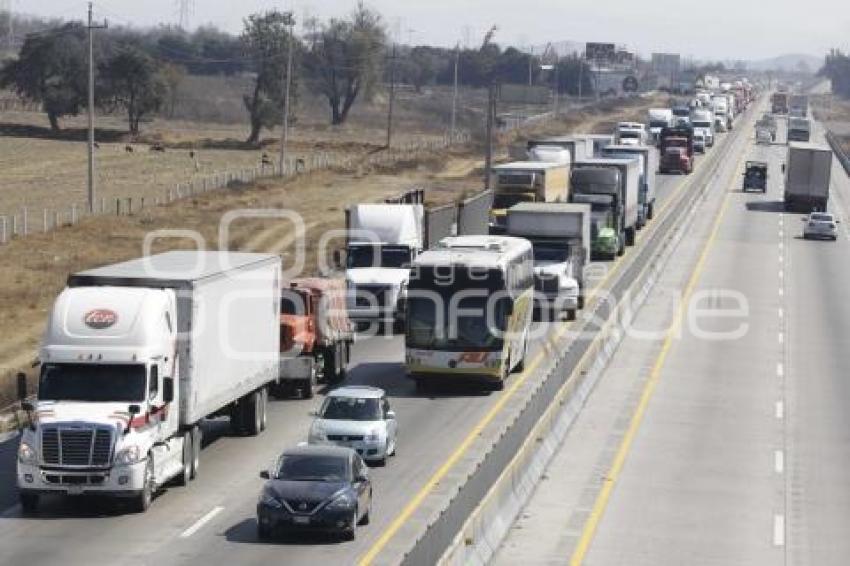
(266,38)
(51,69)
(132,80)
(345,59)
(173,75)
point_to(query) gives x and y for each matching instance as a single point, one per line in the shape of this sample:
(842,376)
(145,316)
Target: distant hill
(789,62)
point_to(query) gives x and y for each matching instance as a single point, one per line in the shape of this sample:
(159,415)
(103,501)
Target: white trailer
(648,168)
(135,356)
(808,171)
(560,236)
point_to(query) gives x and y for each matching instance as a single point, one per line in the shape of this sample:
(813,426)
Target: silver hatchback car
(820,225)
(358,417)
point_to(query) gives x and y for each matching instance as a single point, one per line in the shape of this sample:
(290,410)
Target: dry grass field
(35,268)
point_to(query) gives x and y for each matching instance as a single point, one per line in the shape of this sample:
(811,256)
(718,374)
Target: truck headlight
(344,501)
(27,455)
(128,456)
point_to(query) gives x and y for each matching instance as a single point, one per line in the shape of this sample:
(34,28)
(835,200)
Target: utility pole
(530,64)
(491,118)
(284,135)
(556,86)
(454,91)
(7,6)
(580,75)
(392,99)
(91,27)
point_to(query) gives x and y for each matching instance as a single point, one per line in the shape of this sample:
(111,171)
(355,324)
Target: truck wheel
(571,314)
(197,441)
(253,413)
(581,302)
(142,502)
(650,211)
(186,475)
(630,236)
(307,389)
(621,250)
(29,502)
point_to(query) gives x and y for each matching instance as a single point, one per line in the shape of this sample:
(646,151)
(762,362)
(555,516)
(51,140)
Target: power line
(184,8)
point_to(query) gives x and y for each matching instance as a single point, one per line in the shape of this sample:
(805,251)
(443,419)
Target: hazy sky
(718,29)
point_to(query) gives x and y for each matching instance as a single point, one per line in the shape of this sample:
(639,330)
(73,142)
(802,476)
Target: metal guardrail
(838,150)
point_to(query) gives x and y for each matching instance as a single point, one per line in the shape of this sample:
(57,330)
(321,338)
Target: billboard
(524,94)
(600,52)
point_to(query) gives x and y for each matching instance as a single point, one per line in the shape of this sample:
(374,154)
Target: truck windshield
(702,124)
(102,383)
(630,135)
(393,257)
(507,200)
(658,123)
(551,252)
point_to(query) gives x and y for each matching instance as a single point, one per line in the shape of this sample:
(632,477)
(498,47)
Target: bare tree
(345,59)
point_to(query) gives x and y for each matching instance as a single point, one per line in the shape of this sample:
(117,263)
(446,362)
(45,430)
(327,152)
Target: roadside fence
(838,150)
(30,220)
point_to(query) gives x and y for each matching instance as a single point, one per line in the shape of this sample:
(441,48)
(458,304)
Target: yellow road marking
(599,506)
(476,431)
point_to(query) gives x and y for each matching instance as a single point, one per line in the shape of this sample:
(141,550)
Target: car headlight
(373,435)
(26,454)
(343,501)
(128,456)
(317,435)
(270,501)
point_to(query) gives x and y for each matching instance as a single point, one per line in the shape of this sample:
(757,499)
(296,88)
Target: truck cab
(659,118)
(677,150)
(108,365)
(383,241)
(702,121)
(600,187)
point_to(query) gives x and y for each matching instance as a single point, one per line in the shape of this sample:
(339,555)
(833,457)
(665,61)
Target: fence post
(24,221)
(3,239)
(142,206)
(73,214)
(14,225)
(117,207)
(103,205)
(44,221)
(56,219)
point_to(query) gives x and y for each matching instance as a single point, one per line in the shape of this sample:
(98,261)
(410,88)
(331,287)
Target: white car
(820,225)
(358,417)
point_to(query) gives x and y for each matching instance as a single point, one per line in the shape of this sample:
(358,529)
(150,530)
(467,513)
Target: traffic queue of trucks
(138,353)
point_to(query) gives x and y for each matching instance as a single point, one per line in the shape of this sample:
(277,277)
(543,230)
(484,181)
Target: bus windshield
(448,309)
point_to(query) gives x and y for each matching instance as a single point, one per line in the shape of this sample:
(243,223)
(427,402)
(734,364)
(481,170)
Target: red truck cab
(315,335)
(677,150)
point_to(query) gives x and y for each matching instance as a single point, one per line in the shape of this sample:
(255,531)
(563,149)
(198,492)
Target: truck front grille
(372,295)
(546,284)
(76,446)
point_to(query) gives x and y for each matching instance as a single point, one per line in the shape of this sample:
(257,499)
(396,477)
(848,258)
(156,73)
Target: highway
(213,520)
(698,450)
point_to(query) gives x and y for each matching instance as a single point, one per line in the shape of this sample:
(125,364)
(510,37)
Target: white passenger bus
(470,303)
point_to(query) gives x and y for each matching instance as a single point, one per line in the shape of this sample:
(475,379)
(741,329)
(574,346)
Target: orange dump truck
(315,335)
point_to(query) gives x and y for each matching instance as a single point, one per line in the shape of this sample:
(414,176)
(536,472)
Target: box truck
(526,181)
(808,170)
(134,357)
(560,237)
(648,167)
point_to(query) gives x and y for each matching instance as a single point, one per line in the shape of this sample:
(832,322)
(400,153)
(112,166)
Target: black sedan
(315,488)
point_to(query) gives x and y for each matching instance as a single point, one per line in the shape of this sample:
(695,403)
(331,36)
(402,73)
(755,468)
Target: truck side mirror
(22,386)
(264,474)
(783,168)
(168,389)
(338,259)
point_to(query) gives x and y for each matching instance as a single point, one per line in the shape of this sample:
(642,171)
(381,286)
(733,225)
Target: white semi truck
(134,357)
(560,236)
(659,118)
(383,241)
